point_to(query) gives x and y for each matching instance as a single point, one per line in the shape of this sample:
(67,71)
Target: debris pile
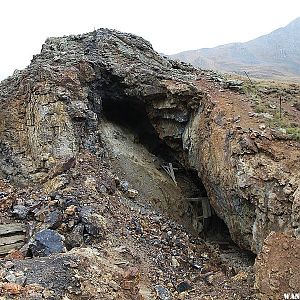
(141,253)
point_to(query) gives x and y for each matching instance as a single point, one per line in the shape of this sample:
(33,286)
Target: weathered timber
(7,248)
(170,171)
(206,208)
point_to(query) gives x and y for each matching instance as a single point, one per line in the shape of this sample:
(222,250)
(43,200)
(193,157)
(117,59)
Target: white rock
(132,193)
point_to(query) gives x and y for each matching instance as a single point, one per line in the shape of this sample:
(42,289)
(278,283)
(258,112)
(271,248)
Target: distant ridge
(276,54)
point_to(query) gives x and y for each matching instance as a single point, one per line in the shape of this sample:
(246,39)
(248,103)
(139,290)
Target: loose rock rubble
(104,221)
(119,248)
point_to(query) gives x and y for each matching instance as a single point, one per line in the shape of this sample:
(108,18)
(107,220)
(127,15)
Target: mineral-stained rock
(46,242)
(20,211)
(53,110)
(94,224)
(277,267)
(54,219)
(75,237)
(9,288)
(162,293)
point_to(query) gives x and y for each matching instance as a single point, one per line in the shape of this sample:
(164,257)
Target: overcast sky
(170,25)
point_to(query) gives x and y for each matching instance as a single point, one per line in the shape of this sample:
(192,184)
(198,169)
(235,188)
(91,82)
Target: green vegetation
(260,109)
(293,132)
(251,90)
(261,105)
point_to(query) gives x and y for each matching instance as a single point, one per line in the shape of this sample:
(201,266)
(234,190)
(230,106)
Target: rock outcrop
(53,110)
(251,176)
(277,267)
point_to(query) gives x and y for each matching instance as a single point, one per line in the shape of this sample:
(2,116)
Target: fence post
(280,107)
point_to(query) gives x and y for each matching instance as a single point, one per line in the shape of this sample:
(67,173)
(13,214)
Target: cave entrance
(132,115)
(206,222)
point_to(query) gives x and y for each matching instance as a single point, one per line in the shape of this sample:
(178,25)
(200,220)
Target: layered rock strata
(52,110)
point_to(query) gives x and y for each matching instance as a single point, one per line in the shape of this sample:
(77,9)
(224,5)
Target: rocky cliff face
(251,176)
(53,110)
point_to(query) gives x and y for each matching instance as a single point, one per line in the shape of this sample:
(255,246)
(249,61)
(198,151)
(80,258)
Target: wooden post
(249,78)
(206,208)
(280,107)
(172,173)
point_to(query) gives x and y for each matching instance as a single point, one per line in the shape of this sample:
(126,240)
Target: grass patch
(261,93)
(260,108)
(252,92)
(293,132)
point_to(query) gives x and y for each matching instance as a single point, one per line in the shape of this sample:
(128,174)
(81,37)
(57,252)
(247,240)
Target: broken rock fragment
(94,224)
(54,219)
(21,211)
(132,193)
(75,237)
(47,242)
(16,277)
(162,293)
(124,185)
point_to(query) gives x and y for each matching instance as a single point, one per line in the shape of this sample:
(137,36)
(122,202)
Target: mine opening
(206,222)
(131,114)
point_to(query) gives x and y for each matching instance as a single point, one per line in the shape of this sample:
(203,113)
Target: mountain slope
(273,55)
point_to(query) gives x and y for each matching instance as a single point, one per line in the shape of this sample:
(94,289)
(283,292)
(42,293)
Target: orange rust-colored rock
(277,267)
(11,288)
